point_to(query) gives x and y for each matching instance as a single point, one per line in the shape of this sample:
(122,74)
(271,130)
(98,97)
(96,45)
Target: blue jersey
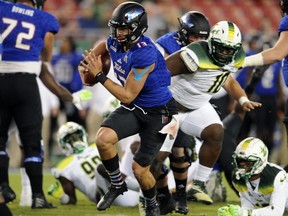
(144,53)
(23,29)
(268,84)
(65,68)
(283,26)
(169,42)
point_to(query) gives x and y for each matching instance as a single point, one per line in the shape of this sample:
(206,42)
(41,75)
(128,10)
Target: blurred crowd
(84,22)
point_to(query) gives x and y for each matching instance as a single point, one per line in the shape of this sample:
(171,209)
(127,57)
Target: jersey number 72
(12,23)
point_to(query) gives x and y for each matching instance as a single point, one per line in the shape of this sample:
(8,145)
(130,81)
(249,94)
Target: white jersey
(266,196)
(128,198)
(192,90)
(80,169)
(205,79)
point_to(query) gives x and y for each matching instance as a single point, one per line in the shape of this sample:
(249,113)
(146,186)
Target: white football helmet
(72,138)
(250,150)
(224,42)
(111,104)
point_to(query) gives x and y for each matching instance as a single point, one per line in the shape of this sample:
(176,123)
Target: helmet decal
(231,31)
(130,15)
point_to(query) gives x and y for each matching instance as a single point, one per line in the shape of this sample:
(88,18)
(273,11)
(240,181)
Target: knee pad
(178,160)
(164,172)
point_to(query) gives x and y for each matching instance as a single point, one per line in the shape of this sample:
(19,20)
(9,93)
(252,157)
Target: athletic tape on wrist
(243,100)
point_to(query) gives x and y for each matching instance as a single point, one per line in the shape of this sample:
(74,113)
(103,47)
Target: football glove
(236,210)
(223,211)
(81,96)
(55,190)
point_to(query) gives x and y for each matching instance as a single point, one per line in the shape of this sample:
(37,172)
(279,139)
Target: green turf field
(86,208)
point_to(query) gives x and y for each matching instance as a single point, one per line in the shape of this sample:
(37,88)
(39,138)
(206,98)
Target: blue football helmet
(128,15)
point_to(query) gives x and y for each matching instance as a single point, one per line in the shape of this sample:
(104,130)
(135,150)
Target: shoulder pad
(200,54)
(189,58)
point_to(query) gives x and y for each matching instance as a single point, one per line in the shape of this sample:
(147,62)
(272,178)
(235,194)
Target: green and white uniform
(267,195)
(80,169)
(195,89)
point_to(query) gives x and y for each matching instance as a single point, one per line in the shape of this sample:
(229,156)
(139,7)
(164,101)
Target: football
(88,78)
(106,61)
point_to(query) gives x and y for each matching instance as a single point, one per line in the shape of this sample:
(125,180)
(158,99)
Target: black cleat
(113,192)
(166,205)
(181,202)
(7,192)
(39,202)
(152,210)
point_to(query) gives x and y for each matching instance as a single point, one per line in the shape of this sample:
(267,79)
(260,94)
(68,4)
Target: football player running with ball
(147,103)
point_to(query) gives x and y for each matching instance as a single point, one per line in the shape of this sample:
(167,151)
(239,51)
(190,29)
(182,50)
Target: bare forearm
(118,91)
(49,81)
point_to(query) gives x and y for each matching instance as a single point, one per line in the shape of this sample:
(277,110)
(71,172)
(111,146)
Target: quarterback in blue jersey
(26,33)
(278,52)
(147,103)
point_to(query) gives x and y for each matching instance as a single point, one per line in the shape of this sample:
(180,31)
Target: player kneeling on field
(262,186)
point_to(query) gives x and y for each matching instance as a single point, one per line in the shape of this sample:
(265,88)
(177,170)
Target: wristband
(49,66)
(101,77)
(243,100)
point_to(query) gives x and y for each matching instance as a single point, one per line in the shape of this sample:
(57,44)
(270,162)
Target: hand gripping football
(88,78)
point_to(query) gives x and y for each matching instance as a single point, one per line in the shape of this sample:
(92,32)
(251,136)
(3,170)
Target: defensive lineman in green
(203,68)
